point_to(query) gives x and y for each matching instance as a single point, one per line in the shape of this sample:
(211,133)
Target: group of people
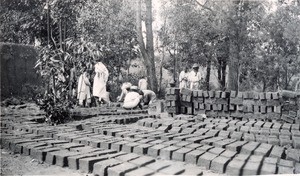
(136,96)
(131,96)
(192,79)
(99,92)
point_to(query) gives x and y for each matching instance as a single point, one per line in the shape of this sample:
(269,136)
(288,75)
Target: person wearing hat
(149,97)
(195,77)
(133,99)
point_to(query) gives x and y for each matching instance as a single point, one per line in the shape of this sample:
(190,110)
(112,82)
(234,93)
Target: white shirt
(194,76)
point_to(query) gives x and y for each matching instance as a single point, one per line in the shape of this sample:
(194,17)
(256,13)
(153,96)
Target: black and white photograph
(150,87)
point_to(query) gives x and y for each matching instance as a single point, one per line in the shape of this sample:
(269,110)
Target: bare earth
(16,164)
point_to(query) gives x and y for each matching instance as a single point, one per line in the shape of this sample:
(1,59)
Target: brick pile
(172,100)
(284,106)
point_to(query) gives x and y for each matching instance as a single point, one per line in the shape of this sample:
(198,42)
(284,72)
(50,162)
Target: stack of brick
(173,100)
(290,106)
(198,101)
(222,103)
(187,106)
(236,104)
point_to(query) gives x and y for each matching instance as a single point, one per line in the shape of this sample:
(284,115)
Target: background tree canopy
(246,44)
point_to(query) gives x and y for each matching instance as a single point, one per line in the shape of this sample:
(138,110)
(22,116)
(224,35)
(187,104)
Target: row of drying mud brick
(202,149)
(249,105)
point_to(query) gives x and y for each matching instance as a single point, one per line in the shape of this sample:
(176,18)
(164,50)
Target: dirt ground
(16,164)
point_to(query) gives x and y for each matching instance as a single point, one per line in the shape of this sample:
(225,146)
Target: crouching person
(132,99)
(149,97)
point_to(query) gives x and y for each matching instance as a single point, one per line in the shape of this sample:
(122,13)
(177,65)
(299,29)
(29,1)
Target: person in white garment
(143,83)
(195,77)
(133,99)
(83,89)
(124,90)
(99,84)
(183,78)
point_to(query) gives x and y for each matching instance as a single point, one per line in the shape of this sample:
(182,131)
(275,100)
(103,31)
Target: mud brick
(142,149)
(155,142)
(264,131)
(14,143)
(249,137)
(274,132)
(118,145)
(295,133)
(205,148)
(223,143)
(285,140)
(41,154)
(179,155)
(68,146)
(86,164)
(212,133)
(273,140)
(268,169)
(155,150)
(169,143)
(285,132)
(245,129)
(55,142)
(206,159)
(249,147)
(236,135)
(199,139)
(271,160)
(224,134)
(259,124)
(129,147)
(210,141)
(293,155)
(201,131)
(222,127)
(121,169)
(167,153)
(296,142)
(27,148)
(286,126)
(142,161)
(182,143)
(232,129)
(172,170)
(159,165)
(236,146)
(140,171)
(108,143)
(261,138)
(100,168)
(254,130)
(127,157)
(276,125)
(285,170)
(251,168)
(193,146)
(235,167)
(60,158)
(175,130)
(232,107)
(73,161)
(192,157)
(96,143)
(232,122)
(295,127)
(263,149)
(219,164)
(164,128)
(277,152)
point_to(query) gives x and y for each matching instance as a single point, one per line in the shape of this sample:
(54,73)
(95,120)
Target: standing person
(195,77)
(83,90)
(143,83)
(99,84)
(183,78)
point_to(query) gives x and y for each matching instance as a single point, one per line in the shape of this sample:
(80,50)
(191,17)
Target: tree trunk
(208,68)
(161,71)
(148,50)
(60,33)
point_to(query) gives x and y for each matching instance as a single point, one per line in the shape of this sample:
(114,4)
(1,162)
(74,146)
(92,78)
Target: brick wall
(284,105)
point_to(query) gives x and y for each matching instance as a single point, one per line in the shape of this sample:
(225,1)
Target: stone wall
(284,105)
(18,76)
